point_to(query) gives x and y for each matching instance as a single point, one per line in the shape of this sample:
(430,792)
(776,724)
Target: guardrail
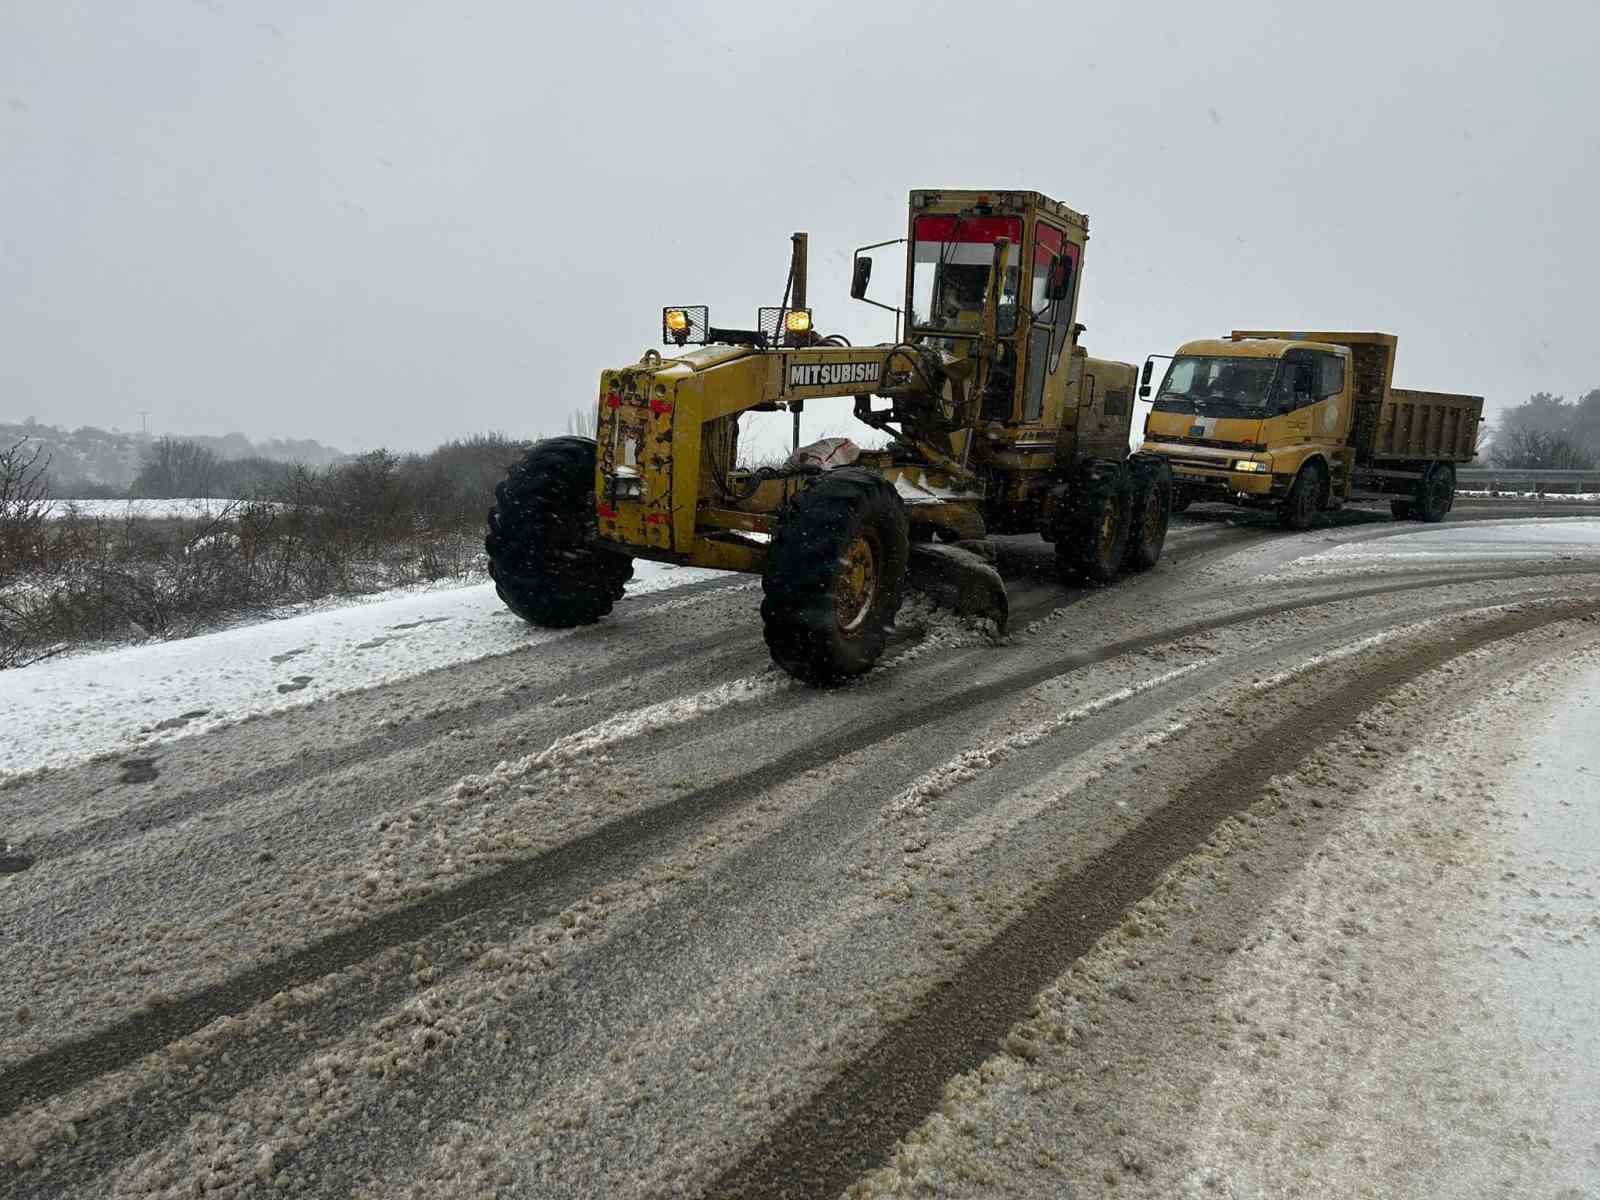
(1495,479)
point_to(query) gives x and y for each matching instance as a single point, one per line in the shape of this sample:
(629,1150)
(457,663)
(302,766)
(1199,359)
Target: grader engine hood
(663,442)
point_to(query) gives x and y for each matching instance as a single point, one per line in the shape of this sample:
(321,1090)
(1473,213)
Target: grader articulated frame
(998,421)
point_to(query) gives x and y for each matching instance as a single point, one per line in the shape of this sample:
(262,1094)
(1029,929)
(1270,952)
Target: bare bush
(376,521)
(24,504)
(1528,449)
(174,468)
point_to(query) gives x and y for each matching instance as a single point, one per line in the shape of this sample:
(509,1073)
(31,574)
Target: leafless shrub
(24,504)
(376,521)
(1528,449)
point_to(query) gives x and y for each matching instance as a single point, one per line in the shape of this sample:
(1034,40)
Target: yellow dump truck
(1304,422)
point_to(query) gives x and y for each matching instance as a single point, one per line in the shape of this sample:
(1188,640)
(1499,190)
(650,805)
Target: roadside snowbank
(143,510)
(64,711)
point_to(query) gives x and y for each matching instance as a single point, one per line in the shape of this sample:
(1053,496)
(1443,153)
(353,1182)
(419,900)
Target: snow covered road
(623,912)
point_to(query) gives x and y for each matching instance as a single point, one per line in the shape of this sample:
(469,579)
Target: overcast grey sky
(397,221)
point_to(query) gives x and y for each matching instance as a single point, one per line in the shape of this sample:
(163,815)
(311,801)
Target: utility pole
(144,423)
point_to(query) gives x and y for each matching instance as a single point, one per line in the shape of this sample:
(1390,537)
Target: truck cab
(1239,417)
(1305,422)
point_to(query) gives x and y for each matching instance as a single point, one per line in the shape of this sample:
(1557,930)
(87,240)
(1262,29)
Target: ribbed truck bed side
(1428,425)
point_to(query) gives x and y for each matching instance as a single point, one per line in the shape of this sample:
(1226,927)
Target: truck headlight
(626,487)
(1249,464)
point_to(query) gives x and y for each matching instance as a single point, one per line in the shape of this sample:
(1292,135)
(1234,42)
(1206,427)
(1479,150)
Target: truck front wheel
(835,573)
(1299,507)
(543,556)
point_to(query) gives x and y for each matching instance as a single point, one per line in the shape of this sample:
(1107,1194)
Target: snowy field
(66,710)
(143,510)
(1554,497)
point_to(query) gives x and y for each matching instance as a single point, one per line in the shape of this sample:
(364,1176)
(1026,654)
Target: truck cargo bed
(1436,426)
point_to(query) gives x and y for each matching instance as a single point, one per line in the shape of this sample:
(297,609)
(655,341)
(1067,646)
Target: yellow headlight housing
(797,320)
(677,320)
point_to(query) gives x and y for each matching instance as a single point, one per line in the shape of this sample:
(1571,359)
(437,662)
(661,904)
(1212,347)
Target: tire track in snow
(564,873)
(847,1127)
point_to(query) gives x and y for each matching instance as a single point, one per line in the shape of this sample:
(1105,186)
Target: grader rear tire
(1151,511)
(541,539)
(1094,541)
(835,574)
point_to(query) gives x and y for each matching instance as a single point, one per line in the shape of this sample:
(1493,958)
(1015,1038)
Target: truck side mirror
(1144,379)
(860,276)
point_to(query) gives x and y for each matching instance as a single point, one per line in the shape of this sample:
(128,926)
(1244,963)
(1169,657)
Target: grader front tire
(543,558)
(835,574)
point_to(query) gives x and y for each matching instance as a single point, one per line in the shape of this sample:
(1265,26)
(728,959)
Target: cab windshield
(1241,386)
(952,258)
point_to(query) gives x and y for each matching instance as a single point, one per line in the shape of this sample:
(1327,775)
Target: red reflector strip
(654,519)
(660,406)
(613,401)
(605,510)
(968,229)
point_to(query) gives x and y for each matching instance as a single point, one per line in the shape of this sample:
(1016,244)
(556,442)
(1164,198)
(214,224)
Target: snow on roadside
(140,510)
(1557,497)
(1411,1013)
(64,711)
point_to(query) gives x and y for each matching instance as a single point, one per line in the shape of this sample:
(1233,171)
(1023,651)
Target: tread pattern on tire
(1312,475)
(1149,471)
(540,539)
(1100,483)
(797,608)
(1431,508)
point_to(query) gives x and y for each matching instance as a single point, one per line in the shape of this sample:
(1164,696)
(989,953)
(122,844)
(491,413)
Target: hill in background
(88,460)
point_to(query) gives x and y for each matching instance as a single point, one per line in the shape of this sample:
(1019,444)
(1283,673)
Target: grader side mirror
(1060,282)
(860,277)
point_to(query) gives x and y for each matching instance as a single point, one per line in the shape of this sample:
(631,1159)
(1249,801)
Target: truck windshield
(952,257)
(1241,386)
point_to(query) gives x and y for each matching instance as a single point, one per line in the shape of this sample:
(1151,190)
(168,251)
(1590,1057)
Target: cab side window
(1330,375)
(1297,381)
(1306,377)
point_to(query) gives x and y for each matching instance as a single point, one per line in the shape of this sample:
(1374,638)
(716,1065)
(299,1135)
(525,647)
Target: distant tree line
(450,485)
(1549,433)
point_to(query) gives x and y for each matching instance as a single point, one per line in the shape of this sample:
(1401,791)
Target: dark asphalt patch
(138,770)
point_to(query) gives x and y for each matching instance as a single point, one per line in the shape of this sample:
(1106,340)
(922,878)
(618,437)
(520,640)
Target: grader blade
(960,580)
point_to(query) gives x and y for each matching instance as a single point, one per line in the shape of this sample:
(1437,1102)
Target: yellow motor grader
(997,422)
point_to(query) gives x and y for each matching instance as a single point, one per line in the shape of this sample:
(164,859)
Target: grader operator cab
(997,420)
